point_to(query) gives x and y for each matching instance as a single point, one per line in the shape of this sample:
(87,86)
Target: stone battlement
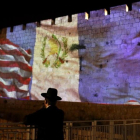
(115,12)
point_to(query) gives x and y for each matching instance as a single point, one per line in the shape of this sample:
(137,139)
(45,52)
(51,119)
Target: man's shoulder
(61,111)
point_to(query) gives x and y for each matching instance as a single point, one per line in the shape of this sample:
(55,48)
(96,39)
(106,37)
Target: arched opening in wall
(87,15)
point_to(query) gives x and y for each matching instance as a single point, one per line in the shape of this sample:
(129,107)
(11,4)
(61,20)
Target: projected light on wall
(127,9)
(92,59)
(15,70)
(106,13)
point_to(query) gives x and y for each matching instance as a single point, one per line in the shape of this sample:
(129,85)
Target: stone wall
(94,82)
(110,62)
(15,110)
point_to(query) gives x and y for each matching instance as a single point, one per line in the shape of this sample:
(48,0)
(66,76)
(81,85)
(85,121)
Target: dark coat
(49,122)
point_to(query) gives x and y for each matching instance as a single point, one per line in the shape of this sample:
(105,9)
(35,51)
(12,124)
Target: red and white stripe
(15,70)
(132,102)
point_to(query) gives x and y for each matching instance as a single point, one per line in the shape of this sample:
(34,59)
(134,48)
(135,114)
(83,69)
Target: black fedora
(51,94)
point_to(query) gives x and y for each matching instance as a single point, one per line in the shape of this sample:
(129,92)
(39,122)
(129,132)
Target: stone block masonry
(12,110)
(98,79)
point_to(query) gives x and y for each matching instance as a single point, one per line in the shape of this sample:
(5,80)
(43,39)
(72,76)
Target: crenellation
(31,25)
(136,6)
(97,13)
(74,18)
(58,21)
(17,28)
(112,50)
(115,13)
(46,22)
(118,9)
(8,30)
(81,16)
(65,19)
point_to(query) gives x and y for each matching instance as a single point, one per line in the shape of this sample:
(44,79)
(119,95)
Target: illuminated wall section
(17,81)
(110,65)
(54,64)
(88,60)
(24,38)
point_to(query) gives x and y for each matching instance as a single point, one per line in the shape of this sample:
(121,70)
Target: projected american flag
(15,70)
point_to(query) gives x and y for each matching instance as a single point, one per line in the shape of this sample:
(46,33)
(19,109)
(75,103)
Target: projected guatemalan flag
(15,70)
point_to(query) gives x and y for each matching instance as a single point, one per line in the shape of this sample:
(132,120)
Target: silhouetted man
(48,120)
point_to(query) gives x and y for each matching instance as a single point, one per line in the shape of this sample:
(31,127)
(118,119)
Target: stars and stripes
(15,70)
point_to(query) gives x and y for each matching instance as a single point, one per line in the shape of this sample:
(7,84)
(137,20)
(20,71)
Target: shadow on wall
(14,110)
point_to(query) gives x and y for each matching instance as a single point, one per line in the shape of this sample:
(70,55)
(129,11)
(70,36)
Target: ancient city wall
(94,81)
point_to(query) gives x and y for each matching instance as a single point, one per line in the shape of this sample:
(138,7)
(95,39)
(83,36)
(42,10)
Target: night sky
(24,12)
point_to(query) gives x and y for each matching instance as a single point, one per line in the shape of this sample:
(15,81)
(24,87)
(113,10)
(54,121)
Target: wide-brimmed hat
(51,94)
